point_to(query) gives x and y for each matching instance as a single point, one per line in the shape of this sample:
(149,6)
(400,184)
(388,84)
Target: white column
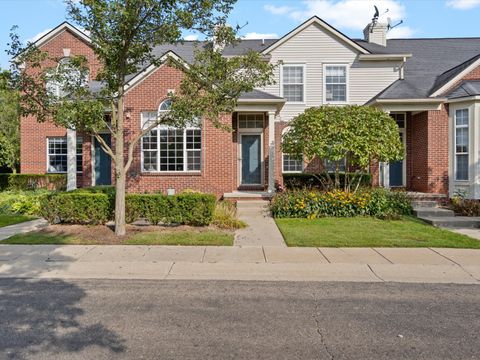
(271,151)
(71,159)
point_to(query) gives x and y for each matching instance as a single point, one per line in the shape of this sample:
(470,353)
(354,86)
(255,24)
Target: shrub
(311,181)
(225,216)
(185,208)
(32,181)
(76,208)
(96,205)
(312,204)
(465,207)
(21,202)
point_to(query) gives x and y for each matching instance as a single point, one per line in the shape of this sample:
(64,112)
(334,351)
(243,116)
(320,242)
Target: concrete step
(248,196)
(432,212)
(424,204)
(453,221)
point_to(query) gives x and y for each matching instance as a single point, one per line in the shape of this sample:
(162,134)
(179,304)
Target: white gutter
(383,57)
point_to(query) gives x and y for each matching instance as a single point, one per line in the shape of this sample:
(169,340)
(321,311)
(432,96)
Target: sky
(275,18)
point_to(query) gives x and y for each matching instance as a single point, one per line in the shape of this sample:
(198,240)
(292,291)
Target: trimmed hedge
(32,181)
(76,208)
(310,181)
(96,205)
(188,209)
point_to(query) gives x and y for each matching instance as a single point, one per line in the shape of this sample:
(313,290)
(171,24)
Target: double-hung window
(292,163)
(461,144)
(57,155)
(335,79)
(166,148)
(331,166)
(293,83)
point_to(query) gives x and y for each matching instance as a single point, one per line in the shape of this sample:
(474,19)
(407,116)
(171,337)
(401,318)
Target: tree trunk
(120,175)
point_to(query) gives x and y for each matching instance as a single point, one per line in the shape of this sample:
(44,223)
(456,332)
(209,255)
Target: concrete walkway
(261,229)
(422,265)
(8,231)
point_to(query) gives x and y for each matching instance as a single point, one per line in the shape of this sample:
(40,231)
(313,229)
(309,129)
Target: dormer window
(335,80)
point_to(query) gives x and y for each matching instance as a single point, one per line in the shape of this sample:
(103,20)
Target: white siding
(314,47)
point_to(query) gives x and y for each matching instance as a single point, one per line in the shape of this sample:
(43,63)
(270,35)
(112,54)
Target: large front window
(461,144)
(166,149)
(293,83)
(57,155)
(335,78)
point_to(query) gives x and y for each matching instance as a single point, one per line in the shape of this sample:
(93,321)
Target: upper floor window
(65,77)
(335,80)
(167,148)
(293,83)
(461,144)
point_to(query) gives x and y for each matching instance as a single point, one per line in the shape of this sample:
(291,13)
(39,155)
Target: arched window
(291,163)
(170,149)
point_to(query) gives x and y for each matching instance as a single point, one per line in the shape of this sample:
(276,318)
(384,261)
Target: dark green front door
(103,163)
(251,160)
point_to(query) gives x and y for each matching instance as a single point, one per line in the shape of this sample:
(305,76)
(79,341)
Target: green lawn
(6,220)
(209,237)
(369,232)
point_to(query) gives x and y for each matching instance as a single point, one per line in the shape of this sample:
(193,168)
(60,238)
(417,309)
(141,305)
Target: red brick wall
(427,155)
(33,146)
(218,174)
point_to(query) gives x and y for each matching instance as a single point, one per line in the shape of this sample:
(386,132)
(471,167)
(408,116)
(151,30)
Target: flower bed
(308,204)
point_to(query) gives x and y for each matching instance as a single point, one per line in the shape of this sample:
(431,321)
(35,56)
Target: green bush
(21,202)
(186,208)
(76,208)
(96,205)
(32,181)
(311,204)
(311,181)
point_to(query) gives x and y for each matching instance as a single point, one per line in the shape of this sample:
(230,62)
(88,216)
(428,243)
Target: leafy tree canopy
(9,124)
(358,134)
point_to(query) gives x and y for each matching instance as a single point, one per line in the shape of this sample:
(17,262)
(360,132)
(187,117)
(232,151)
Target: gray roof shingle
(433,63)
(466,88)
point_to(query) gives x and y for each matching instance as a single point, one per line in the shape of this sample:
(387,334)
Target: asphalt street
(116,319)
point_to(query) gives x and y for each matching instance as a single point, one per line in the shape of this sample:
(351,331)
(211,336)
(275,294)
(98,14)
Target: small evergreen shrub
(76,208)
(26,182)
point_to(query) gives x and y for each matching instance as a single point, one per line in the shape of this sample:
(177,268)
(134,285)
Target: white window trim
(185,151)
(304,66)
(324,76)
(455,153)
(290,171)
(47,154)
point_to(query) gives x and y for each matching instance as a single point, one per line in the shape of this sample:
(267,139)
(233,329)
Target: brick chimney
(376,33)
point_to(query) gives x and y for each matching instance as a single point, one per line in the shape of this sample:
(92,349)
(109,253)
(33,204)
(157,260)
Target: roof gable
(330,29)
(452,76)
(65,26)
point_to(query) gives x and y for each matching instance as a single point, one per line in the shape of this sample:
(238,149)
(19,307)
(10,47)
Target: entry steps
(428,211)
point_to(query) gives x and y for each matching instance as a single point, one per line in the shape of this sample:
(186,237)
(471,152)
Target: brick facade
(426,139)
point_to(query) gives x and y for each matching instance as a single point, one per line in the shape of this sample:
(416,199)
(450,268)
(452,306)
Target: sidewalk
(261,229)
(420,265)
(20,228)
